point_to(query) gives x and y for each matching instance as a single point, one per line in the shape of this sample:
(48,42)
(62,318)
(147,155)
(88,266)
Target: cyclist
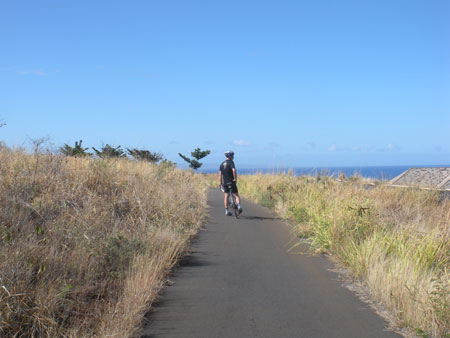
(228,176)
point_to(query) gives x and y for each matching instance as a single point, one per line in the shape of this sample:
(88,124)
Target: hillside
(85,244)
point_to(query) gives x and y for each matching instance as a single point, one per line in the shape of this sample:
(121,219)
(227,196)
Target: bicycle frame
(232,201)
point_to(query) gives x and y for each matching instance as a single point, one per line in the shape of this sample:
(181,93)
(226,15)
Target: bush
(119,251)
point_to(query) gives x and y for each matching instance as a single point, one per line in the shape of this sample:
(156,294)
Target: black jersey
(226,168)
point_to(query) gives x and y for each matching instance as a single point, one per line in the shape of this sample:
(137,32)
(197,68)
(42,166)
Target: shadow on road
(258,218)
(190,260)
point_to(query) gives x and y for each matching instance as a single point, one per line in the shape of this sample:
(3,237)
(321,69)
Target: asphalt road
(242,280)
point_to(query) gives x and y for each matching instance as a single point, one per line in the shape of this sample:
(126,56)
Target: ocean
(375,172)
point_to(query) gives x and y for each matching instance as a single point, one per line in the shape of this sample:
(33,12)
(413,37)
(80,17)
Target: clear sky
(282,83)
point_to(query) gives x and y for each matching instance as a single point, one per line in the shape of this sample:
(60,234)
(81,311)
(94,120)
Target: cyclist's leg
(225,200)
(235,192)
(237,198)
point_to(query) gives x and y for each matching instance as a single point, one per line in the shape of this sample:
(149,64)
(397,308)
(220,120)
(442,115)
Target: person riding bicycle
(228,179)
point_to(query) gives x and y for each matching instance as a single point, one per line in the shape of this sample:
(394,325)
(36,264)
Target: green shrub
(119,252)
(300,215)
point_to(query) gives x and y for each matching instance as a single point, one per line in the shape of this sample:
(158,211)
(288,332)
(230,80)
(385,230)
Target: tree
(77,151)
(145,155)
(197,155)
(109,151)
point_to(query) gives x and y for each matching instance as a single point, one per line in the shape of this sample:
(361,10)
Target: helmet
(229,153)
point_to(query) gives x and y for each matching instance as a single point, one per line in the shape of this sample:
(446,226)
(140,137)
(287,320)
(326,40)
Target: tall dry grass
(85,244)
(395,240)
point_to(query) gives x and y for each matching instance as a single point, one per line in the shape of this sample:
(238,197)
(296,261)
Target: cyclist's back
(226,168)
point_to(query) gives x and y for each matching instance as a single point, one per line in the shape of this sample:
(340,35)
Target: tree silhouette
(109,151)
(77,151)
(197,155)
(145,155)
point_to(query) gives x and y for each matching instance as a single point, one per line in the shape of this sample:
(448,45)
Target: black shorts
(232,185)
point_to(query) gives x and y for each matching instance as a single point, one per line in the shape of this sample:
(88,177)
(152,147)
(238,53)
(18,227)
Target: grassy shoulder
(85,244)
(397,241)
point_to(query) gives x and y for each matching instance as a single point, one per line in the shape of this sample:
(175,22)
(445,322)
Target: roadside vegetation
(395,241)
(85,243)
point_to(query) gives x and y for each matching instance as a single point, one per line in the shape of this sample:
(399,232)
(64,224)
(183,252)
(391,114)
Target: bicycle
(232,201)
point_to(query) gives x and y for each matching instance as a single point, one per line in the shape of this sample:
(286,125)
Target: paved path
(241,281)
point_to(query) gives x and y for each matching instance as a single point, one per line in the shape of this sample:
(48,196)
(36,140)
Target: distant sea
(379,173)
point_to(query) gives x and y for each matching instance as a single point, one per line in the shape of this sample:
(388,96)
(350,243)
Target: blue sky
(282,83)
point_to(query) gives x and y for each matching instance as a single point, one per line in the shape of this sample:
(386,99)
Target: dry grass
(85,244)
(396,240)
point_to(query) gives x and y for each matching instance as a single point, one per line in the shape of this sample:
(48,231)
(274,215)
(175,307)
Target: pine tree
(109,151)
(77,151)
(197,155)
(145,155)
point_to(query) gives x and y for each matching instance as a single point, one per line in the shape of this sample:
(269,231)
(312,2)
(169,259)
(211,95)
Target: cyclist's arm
(220,178)
(234,175)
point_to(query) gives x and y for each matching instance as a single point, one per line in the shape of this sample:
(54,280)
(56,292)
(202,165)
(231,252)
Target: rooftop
(430,178)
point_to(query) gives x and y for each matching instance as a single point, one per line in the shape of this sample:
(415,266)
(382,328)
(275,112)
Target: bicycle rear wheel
(230,201)
(236,211)
(235,207)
